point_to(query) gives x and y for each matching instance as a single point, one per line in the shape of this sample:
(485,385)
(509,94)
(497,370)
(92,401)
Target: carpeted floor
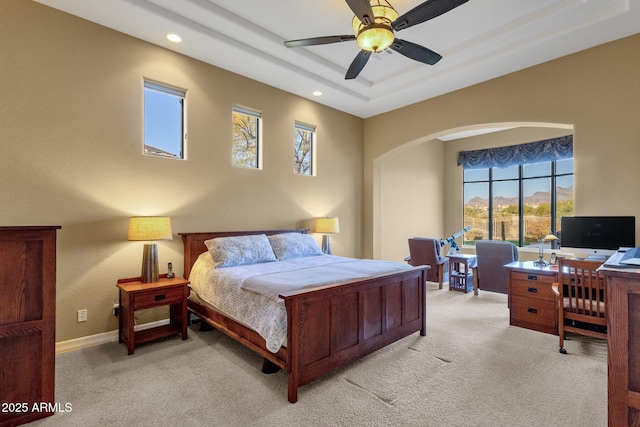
(472,369)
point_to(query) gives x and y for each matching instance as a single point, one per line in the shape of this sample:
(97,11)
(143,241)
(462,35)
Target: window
(520,203)
(164,121)
(304,149)
(247,129)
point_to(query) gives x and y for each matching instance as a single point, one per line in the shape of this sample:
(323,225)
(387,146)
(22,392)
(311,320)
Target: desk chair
(426,251)
(581,298)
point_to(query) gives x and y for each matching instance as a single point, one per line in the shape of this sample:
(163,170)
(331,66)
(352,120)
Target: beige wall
(71,134)
(71,129)
(597,92)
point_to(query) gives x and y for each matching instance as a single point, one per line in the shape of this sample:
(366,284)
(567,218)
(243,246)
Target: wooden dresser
(27,323)
(532,303)
(623,329)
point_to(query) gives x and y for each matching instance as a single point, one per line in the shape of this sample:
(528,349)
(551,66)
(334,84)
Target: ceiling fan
(374,27)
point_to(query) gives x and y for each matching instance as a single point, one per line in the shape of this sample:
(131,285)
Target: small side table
(460,276)
(135,295)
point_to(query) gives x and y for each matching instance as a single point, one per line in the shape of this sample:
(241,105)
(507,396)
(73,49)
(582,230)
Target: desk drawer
(158,297)
(532,285)
(533,313)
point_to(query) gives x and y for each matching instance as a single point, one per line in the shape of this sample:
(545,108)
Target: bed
(327,325)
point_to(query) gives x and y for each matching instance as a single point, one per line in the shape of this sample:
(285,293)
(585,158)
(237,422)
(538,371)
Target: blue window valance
(533,152)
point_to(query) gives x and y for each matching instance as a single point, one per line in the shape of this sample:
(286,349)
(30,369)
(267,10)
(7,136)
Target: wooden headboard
(193,243)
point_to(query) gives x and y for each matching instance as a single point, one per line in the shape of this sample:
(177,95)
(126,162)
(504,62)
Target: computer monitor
(597,236)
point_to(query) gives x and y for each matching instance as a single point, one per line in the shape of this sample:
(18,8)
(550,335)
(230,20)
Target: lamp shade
(327,225)
(550,237)
(150,228)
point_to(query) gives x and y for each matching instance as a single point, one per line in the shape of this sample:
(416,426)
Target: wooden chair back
(581,296)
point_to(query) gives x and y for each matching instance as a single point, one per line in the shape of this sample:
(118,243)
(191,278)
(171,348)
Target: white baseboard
(103,338)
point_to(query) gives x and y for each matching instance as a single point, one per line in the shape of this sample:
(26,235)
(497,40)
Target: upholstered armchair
(426,251)
(489,273)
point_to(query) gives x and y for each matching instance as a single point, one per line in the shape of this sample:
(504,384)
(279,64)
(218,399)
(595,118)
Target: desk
(623,330)
(460,276)
(532,302)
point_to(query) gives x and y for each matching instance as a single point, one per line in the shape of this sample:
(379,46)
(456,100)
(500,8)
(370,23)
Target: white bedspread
(249,293)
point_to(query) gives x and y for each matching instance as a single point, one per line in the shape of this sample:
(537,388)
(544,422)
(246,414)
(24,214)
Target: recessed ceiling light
(317,93)
(174,38)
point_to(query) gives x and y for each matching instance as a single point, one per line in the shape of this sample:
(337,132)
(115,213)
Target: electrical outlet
(116,309)
(82,315)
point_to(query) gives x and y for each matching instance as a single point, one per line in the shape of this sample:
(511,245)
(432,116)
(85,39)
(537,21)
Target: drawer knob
(159,297)
(532,277)
(532,310)
(532,290)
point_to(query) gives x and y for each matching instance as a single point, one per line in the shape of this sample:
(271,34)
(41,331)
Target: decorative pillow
(294,245)
(240,250)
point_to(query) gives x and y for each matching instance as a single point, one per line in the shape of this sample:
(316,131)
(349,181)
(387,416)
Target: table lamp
(150,228)
(327,226)
(541,260)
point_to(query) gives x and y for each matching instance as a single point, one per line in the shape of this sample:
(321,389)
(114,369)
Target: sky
(162,121)
(510,189)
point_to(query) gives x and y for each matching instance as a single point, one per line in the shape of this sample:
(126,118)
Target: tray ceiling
(480,40)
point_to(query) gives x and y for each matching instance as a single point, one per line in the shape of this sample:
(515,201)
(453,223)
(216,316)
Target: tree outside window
(303,150)
(246,138)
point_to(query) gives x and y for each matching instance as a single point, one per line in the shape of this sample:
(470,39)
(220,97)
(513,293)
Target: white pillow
(294,245)
(240,250)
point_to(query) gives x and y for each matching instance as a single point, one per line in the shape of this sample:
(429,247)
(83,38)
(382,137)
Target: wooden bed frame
(328,326)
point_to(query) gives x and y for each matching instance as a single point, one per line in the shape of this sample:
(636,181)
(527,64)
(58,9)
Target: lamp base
(540,261)
(326,244)
(150,270)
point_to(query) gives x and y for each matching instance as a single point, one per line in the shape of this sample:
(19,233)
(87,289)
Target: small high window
(164,121)
(247,130)
(304,149)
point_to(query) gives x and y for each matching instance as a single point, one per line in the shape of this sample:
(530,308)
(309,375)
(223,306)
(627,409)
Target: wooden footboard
(328,326)
(331,326)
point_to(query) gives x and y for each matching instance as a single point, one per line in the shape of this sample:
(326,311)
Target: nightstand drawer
(158,297)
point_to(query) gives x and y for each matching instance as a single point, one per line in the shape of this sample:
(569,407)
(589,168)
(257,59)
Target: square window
(519,204)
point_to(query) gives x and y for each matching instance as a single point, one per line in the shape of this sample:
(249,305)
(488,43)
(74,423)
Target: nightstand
(135,295)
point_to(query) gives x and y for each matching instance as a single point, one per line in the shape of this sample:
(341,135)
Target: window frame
(238,109)
(312,151)
(179,93)
(553,175)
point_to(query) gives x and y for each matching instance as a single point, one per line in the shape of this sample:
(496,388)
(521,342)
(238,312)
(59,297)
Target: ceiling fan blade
(319,40)
(362,9)
(358,64)
(425,11)
(415,51)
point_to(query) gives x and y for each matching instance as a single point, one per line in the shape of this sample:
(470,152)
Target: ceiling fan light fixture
(377,36)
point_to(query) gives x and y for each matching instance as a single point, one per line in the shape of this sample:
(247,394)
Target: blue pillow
(240,250)
(294,245)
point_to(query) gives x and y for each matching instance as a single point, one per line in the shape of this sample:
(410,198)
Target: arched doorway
(417,186)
